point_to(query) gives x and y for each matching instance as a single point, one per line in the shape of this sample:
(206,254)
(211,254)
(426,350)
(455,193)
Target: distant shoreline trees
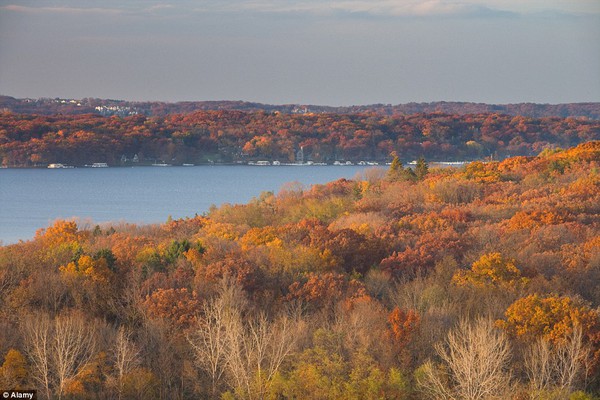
(207,137)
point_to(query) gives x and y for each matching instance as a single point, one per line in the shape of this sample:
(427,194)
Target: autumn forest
(233,136)
(470,283)
(476,282)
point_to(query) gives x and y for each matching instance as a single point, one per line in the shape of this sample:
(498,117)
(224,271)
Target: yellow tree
(91,283)
(491,270)
(14,372)
(551,318)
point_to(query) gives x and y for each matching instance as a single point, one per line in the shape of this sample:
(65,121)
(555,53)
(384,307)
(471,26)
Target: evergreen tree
(421,169)
(396,168)
(408,174)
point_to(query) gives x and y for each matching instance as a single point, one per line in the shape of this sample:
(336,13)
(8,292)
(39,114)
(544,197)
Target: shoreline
(251,164)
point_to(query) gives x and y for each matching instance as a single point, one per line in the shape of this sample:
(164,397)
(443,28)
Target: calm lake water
(33,198)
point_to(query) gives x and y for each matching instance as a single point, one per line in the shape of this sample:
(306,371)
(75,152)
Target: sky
(327,52)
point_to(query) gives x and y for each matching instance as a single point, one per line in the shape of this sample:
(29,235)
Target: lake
(33,198)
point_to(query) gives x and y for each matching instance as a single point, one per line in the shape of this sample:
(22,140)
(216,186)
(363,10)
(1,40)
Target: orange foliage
(491,270)
(588,151)
(242,271)
(87,267)
(27,139)
(341,187)
(60,232)
(401,326)
(513,164)
(193,256)
(74,388)
(363,223)
(578,257)
(90,378)
(583,188)
(352,250)
(482,172)
(180,306)
(536,218)
(221,230)
(126,247)
(60,242)
(329,288)
(187,226)
(552,318)
(421,256)
(266,236)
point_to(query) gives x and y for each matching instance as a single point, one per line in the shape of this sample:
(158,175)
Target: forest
(49,106)
(477,282)
(229,136)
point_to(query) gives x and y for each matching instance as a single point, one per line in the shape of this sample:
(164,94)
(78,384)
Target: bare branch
(477,358)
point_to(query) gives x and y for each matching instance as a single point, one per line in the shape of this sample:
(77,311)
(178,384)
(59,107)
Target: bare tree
(557,367)
(257,350)
(209,339)
(248,353)
(539,367)
(126,357)
(433,381)
(58,349)
(37,334)
(73,346)
(475,364)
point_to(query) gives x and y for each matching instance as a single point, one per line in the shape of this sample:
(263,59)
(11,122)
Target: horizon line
(301,104)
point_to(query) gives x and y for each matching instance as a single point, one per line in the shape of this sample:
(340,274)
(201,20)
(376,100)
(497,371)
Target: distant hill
(47,106)
(231,136)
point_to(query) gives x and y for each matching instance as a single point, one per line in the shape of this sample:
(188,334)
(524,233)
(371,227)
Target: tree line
(49,106)
(236,136)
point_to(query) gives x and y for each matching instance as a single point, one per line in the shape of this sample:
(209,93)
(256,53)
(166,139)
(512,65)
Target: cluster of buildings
(115,110)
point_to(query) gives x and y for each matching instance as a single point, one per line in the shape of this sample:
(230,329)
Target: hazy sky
(333,52)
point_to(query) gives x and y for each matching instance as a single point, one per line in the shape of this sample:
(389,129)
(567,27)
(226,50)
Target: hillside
(379,287)
(47,106)
(239,136)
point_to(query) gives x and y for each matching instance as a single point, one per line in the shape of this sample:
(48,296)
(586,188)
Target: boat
(99,165)
(161,165)
(59,165)
(187,165)
(451,163)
